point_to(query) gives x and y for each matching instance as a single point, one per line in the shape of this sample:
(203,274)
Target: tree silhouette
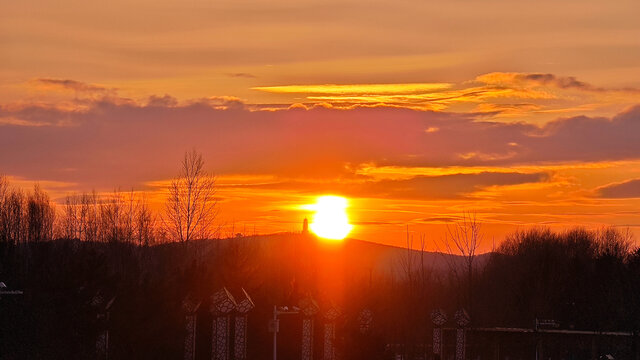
(191,208)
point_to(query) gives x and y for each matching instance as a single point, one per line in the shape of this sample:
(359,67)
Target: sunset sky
(525,113)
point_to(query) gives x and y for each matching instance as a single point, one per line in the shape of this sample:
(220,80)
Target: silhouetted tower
(305,226)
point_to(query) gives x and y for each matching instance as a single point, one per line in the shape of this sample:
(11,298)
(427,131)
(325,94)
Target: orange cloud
(508,110)
(625,189)
(354,89)
(497,95)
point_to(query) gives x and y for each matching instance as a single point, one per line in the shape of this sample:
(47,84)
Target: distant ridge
(381,258)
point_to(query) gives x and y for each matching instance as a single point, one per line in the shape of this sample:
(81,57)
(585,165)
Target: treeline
(117,217)
(25,217)
(584,279)
(580,279)
(189,213)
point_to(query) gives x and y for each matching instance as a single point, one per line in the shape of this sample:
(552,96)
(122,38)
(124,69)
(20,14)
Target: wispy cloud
(495,95)
(73,85)
(356,89)
(507,110)
(534,79)
(241,75)
(622,190)
(450,186)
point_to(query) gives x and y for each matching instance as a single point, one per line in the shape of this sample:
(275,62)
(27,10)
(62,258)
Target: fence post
(190,308)
(462,320)
(222,304)
(102,305)
(330,316)
(439,318)
(240,341)
(309,309)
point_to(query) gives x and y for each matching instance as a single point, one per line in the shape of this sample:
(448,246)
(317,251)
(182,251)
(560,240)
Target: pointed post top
(190,305)
(246,304)
(309,306)
(222,302)
(102,302)
(462,318)
(438,317)
(332,312)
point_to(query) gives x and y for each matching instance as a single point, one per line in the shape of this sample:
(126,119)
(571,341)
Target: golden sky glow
(415,111)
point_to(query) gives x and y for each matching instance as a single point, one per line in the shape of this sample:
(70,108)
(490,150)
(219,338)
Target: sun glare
(330,220)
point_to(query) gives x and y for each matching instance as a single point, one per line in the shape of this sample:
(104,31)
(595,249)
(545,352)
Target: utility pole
(274,324)
(275,328)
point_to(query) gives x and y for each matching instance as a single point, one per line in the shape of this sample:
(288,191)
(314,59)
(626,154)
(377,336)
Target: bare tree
(129,217)
(81,217)
(40,215)
(91,212)
(145,223)
(14,214)
(4,216)
(463,238)
(113,216)
(118,217)
(71,220)
(191,208)
(24,217)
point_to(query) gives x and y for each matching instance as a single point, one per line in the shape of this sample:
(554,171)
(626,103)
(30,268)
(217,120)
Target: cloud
(453,186)
(507,109)
(587,138)
(241,75)
(356,89)
(497,94)
(222,102)
(626,189)
(117,142)
(443,187)
(73,85)
(441,219)
(162,101)
(418,96)
(36,115)
(534,79)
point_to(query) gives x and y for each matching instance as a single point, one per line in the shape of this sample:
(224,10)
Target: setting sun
(330,220)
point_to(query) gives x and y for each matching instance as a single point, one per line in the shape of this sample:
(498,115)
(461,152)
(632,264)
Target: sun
(330,220)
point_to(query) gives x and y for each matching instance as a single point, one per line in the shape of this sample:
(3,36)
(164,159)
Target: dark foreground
(379,300)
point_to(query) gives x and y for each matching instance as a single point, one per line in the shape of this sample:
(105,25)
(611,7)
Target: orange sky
(416,110)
